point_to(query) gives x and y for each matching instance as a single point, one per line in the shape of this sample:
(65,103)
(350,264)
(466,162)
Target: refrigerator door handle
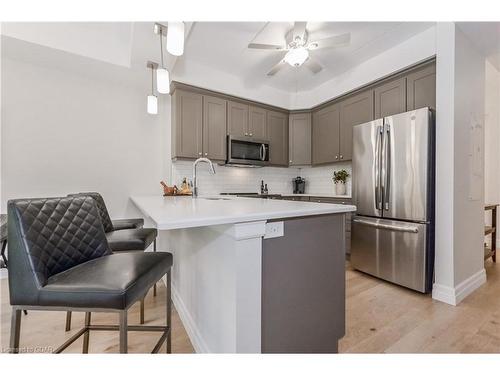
(378,191)
(386,155)
(396,228)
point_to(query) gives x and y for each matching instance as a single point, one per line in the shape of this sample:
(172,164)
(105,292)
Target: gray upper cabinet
(187,118)
(354,110)
(299,135)
(421,88)
(237,119)
(277,131)
(325,135)
(214,128)
(390,98)
(257,122)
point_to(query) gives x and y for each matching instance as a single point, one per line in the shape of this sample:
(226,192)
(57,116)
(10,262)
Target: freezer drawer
(391,250)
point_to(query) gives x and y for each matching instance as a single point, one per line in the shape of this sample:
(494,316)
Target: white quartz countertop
(186,212)
(318,195)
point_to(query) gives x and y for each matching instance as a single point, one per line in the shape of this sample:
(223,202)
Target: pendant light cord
(152,81)
(161,47)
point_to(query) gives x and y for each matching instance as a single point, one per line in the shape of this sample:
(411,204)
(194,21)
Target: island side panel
(303,286)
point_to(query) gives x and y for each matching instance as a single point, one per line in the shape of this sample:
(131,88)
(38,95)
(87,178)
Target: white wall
(63,132)
(460,83)
(492,139)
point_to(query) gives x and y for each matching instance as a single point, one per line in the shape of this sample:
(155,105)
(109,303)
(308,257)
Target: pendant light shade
(152,104)
(175,38)
(162,81)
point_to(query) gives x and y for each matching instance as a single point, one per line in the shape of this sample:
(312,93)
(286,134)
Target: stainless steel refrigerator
(393,189)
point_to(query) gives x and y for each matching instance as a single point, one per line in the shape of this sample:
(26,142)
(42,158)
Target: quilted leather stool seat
(108,224)
(131,239)
(115,282)
(59,258)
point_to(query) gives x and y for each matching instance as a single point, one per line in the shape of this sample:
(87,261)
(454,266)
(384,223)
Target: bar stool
(123,236)
(59,259)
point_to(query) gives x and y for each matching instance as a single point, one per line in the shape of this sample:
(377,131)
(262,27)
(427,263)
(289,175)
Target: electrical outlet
(274,229)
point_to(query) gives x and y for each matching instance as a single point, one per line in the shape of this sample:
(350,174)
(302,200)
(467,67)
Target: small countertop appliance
(299,185)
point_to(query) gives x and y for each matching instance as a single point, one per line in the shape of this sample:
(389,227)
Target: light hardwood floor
(381,317)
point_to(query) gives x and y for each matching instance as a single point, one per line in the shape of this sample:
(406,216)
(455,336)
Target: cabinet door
(354,110)
(325,135)
(214,128)
(187,125)
(299,139)
(257,123)
(237,119)
(277,130)
(390,98)
(421,88)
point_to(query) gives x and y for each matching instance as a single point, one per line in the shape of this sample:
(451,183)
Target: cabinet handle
(290,161)
(336,157)
(199,153)
(246,134)
(251,135)
(206,153)
(341,156)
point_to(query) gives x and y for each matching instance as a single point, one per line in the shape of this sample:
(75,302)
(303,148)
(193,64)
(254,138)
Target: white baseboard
(3,273)
(453,296)
(192,330)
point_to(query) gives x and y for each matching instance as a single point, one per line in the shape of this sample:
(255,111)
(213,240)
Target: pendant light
(162,75)
(175,38)
(152,106)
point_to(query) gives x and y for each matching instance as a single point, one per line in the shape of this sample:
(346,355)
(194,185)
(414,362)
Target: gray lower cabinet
(390,98)
(354,110)
(277,131)
(348,216)
(421,88)
(187,119)
(257,122)
(325,135)
(299,145)
(214,128)
(237,119)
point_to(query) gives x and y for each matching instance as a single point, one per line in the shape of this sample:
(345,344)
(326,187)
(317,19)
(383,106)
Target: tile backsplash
(247,180)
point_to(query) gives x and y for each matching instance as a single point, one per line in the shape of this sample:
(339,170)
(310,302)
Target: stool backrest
(101,207)
(47,236)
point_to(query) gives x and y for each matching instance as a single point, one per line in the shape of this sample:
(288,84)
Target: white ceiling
(223,46)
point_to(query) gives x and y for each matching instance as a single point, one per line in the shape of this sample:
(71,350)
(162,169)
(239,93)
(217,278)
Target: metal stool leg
(142,311)
(154,250)
(68,321)
(169,313)
(86,335)
(15,330)
(123,331)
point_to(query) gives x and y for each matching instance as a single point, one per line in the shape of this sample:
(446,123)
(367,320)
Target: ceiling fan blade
(275,69)
(313,66)
(333,41)
(266,46)
(299,30)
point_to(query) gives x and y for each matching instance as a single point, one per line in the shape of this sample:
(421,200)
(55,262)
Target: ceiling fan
(297,47)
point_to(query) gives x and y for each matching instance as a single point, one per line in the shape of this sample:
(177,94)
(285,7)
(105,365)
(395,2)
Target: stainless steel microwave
(247,152)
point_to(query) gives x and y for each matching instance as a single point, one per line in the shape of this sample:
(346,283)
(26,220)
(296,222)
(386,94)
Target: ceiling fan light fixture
(296,56)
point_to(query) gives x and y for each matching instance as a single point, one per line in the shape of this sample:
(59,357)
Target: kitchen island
(255,275)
